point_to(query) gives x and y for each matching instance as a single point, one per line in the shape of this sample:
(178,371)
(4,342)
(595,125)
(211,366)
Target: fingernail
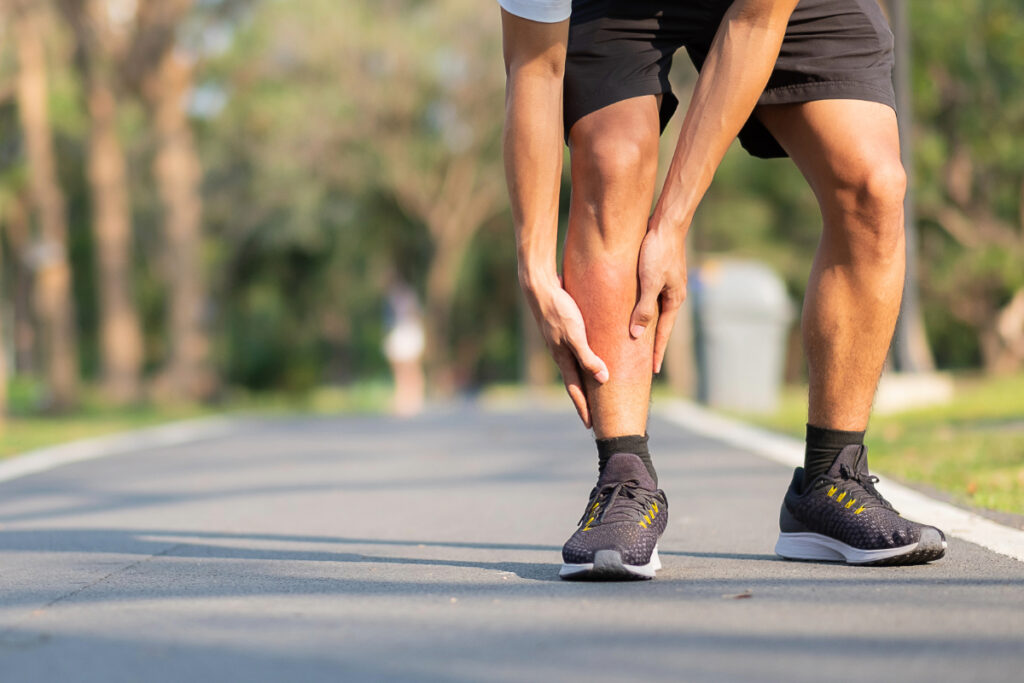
(637,330)
(602,376)
(657,370)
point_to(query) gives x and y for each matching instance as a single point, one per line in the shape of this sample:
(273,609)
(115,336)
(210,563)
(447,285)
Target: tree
(299,232)
(911,351)
(433,128)
(969,93)
(316,196)
(99,39)
(23,332)
(164,77)
(53,302)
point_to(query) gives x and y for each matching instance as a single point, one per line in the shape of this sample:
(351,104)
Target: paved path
(372,549)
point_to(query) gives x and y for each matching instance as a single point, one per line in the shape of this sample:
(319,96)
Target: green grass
(25,429)
(971,448)
(24,433)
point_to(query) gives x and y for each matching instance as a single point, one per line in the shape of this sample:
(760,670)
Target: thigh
(832,50)
(621,49)
(836,144)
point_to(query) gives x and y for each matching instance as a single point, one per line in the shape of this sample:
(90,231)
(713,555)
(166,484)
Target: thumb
(589,360)
(592,364)
(645,312)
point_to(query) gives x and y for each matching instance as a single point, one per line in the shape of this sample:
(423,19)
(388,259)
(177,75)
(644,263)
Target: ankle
(633,443)
(823,445)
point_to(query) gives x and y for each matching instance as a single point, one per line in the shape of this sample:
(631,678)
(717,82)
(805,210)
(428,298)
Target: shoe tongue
(624,467)
(854,457)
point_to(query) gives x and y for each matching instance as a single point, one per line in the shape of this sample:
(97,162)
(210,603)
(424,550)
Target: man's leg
(614,163)
(849,152)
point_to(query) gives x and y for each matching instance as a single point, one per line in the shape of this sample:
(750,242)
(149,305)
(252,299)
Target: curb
(785,450)
(173,434)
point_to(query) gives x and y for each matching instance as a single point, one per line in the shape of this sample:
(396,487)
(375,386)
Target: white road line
(174,434)
(788,451)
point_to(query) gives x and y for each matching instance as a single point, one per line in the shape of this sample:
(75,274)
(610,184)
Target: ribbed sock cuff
(634,443)
(823,445)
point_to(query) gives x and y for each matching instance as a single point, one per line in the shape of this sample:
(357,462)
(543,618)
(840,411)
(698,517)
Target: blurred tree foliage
(969,97)
(346,145)
(361,143)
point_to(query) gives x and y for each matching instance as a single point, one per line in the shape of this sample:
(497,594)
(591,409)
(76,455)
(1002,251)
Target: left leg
(849,152)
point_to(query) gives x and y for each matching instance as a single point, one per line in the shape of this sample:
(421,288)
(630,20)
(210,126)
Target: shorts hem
(796,93)
(635,88)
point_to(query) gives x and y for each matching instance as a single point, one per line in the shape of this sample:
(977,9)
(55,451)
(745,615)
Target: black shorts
(618,49)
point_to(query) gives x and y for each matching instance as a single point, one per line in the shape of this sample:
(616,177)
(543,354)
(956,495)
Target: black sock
(635,443)
(823,445)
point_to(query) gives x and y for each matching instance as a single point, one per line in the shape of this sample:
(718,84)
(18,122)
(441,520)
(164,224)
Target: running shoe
(618,533)
(841,517)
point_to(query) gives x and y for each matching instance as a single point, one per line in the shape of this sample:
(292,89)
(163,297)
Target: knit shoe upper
(626,513)
(842,505)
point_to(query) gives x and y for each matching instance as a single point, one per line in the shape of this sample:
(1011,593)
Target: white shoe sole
(608,566)
(811,546)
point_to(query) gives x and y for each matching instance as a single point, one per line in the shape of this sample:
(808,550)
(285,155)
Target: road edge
(956,522)
(119,443)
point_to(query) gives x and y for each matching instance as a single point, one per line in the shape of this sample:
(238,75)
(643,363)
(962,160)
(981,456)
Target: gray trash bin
(743,317)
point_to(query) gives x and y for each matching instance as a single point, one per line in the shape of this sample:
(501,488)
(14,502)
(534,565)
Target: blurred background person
(403,346)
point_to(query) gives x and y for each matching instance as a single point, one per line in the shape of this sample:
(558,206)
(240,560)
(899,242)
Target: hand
(561,325)
(662,274)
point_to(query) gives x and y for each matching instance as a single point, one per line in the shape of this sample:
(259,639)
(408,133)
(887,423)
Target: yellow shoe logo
(849,504)
(649,515)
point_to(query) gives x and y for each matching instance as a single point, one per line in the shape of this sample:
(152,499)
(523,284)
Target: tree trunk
(53,273)
(537,369)
(453,210)
(120,332)
(1002,338)
(442,280)
(911,350)
(178,174)
(680,362)
(23,329)
(680,365)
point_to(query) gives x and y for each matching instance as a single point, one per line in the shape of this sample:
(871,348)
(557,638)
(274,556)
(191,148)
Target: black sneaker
(618,535)
(841,517)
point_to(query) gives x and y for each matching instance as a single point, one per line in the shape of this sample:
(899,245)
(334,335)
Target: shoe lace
(866,482)
(622,501)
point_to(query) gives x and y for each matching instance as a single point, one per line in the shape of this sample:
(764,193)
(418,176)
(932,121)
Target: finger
(645,312)
(574,386)
(588,360)
(662,334)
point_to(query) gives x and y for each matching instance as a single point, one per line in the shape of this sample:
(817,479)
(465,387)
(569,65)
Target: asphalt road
(366,548)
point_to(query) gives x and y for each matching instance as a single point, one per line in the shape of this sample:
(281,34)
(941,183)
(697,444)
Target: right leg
(614,164)
(617,97)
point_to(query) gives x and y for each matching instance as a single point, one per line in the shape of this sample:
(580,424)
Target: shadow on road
(370,573)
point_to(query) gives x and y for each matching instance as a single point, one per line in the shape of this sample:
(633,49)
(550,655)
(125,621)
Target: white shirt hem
(544,11)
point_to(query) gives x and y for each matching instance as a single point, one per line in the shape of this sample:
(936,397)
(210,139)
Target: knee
(612,150)
(603,162)
(870,203)
(614,165)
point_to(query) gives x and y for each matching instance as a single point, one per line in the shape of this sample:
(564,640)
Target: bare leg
(849,152)
(614,164)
